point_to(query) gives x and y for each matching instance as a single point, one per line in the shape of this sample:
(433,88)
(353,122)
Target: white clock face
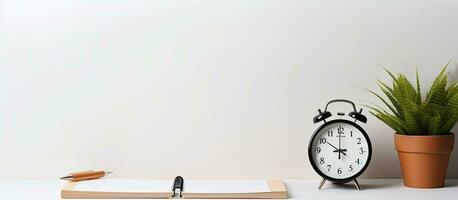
(340,150)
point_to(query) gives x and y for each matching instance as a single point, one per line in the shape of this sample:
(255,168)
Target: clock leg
(356,184)
(322,183)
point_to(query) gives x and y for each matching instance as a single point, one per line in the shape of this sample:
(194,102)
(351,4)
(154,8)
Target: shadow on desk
(364,185)
(383,184)
(450,183)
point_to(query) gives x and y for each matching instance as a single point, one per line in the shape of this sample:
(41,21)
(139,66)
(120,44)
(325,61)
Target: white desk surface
(392,189)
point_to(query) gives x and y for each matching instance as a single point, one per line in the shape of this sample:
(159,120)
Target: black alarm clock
(340,150)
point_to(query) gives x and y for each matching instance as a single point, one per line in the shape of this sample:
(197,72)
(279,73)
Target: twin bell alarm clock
(340,150)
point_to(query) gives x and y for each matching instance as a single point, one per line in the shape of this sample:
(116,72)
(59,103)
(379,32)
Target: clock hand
(340,136)
(332,146)
(338,150)
(342,151)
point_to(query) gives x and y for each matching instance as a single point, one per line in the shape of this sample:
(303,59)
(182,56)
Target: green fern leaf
(410,114)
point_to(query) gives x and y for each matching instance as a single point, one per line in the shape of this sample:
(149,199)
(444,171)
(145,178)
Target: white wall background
(205,89)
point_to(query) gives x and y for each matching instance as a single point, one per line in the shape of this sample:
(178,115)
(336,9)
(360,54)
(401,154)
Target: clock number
(329,167)
(361,150)
(340,130)
(318,149)
(322,140)
(321,160)
(359,140)
(330,133)
(357,161)
(339,171)
(350,168)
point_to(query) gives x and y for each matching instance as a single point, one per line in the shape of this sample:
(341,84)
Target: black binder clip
(177,185)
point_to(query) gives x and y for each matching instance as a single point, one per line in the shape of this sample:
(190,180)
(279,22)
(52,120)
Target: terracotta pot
(424,159)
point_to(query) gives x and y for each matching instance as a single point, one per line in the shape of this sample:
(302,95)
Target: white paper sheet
(225,186)
(190,186)
(125,185)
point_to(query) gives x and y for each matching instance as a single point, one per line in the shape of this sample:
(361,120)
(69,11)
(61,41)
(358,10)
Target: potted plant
(422,124)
